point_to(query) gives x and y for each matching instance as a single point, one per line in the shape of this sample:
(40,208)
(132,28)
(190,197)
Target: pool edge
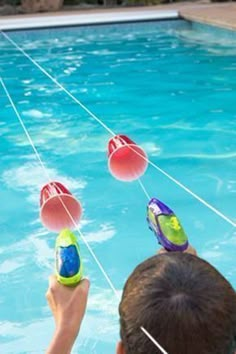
(84,20)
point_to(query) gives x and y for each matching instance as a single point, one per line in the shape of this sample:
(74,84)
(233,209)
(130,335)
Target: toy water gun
(68,260)
(166,226)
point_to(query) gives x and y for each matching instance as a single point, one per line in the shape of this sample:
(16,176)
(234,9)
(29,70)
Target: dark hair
(183,302)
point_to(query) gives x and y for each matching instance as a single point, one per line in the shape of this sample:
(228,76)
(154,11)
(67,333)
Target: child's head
(183,302)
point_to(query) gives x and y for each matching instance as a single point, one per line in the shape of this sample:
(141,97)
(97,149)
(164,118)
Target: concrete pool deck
(218,14)
(221,15)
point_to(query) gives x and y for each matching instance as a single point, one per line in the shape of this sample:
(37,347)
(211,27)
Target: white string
(58,84)
(50,180)
(144,189)
(67,211)
(201,200)
(153,340)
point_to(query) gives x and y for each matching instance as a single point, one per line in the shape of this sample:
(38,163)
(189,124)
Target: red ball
(126,160)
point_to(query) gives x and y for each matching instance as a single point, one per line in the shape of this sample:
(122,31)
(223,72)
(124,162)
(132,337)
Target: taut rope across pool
(98,120)
(154,341)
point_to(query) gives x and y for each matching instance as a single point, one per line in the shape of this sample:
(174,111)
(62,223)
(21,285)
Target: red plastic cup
(126,160)
(59,208)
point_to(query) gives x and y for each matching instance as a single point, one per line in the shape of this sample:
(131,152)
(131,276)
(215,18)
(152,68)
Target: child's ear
(120,348)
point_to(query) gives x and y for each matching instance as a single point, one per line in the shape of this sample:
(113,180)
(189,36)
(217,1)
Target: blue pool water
(171,87)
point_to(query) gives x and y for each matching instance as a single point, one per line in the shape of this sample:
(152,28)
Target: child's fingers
(81,297)
(191,250)
(52,281)
(82,288)
(161,251)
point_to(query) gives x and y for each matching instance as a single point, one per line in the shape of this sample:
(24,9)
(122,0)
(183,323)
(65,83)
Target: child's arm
(62,342)
(68,305)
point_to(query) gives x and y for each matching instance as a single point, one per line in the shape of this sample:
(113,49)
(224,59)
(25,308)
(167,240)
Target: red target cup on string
(126,160)
(59,208)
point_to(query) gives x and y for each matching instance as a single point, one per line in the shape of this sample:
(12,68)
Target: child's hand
(68,305)
(189,250)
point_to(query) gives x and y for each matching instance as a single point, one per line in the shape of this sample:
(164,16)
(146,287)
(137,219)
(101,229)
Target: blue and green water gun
(69,269)
(166,226)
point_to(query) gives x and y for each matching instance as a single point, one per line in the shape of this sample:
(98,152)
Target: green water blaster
(68,261)
(166,226)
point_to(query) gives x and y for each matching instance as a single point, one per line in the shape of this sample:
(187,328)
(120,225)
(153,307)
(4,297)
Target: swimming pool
(168,85)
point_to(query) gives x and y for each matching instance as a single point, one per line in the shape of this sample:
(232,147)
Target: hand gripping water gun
(68,260)
(166,226)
